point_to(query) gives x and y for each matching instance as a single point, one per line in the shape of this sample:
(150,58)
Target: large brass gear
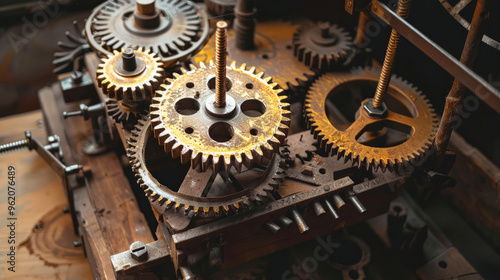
(255,186)
(173,29)
(138,86)
(368,141)
(254,126)
(322,46)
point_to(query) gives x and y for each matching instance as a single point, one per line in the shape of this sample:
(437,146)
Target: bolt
(128,58)
(139,251)
(77,77)
(373,112)
(385,75)
(9,147)
(220,62)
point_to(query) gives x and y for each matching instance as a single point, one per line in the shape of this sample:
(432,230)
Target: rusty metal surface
(135,88)
(408,112)
(471,80)
(273,47)
(253,128)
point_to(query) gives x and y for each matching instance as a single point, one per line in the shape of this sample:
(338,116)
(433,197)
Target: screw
(385,75)
(139,251)
(220,62)
(9,147)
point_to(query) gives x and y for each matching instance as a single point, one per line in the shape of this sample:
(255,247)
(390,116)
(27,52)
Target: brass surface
(134,88)
(342,139)
(186,128)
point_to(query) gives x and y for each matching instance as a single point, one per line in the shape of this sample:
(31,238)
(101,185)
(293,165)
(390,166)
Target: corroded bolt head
(374,112)
(139,251)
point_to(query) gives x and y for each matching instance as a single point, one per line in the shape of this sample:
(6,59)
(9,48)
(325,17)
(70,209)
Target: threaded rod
(385,75)
(9,147)
(220,63)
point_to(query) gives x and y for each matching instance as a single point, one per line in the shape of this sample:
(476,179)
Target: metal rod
(318,209)
(128,59)
(339,202)
(471,80)
(220,62)
(284,221)
(361,209)
(360,33)
(385,75)
(272,227)
(299,220)
(454,100)
(330,208)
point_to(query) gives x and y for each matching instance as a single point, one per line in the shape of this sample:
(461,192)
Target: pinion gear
(175,29)
(200,196)
(405,135)
(322,46)
(131,88)
(185,126)
(124,113)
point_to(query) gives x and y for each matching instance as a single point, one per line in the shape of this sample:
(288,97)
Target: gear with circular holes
(126,114)
(136,85)
(252,125)
(322,46)
(256,190)
(173,29)
(404,136)
(220,7)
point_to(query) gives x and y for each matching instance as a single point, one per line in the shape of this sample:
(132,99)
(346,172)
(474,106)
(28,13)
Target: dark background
(26,55)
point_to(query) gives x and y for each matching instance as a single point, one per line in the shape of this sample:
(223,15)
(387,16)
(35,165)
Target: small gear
(251,126)
(404,135)
(132,75)
(173,29)
(73,51)
(200,197)
(322,46)
(126,114)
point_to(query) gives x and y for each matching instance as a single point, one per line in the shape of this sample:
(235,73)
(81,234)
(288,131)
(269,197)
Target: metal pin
(357,203)
(128,58)
(220,62)
(330,208)
(299,220)
(339,202)
(284,221)
(272,227)
(318,209)
(186,273)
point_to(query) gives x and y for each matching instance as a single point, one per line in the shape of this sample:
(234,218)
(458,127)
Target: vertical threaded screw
(220,63)
(385,76)
(9,147)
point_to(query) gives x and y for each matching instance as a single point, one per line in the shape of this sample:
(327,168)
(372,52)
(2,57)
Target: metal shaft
(128,57)
(220,63)
(454,99)
(385,76)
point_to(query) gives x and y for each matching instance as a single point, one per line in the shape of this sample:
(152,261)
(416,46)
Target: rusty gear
(132,88)
(409,114)
(322,46)
(126,114)
(252,125)
(173,29)
(253,192)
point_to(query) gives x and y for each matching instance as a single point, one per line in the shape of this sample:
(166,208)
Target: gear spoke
(402,119)
(196,183)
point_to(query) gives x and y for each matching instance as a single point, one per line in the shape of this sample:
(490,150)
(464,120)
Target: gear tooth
(202,65)
(184,71)
(192,67)
(211,63)
(233,65)
(243,67)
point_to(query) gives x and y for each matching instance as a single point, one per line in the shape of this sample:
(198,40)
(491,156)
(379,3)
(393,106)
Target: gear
(201,196)
(173,29)
(73,51)
(322,46)
(220,7)
(126,114)
(132,76)
(403,136)
(252,125)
